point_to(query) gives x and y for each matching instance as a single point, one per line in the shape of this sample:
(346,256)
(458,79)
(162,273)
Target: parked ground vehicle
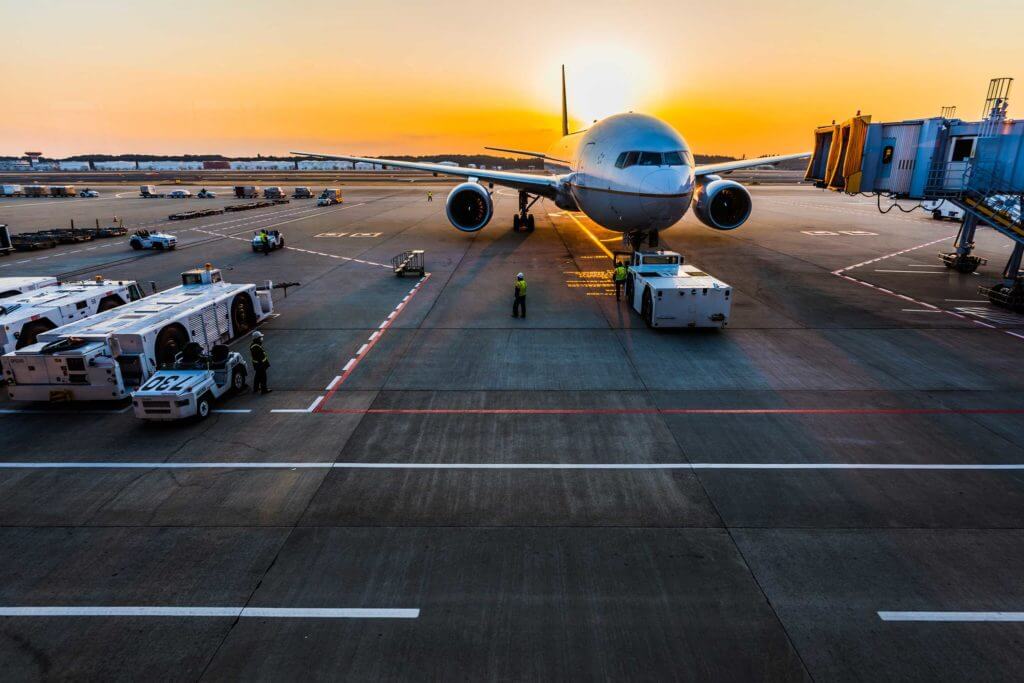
(11,190)
(302,193)
(89,193)
(189,386)
(274,193)
(149,192)
(6,247)
(206,194)
(12,286)
(179,194)
(944,209)
(109,355)
(329,197)
(247,192)
(144,239)
(23,317)
(36,191)
(62,191)
(667,293)
(275,240)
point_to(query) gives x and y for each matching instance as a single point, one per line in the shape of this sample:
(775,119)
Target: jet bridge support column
(962,260)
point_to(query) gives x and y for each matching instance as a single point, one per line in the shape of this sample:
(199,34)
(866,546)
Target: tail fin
(565,110)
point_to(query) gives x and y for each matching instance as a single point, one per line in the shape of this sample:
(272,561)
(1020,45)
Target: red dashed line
(353,362)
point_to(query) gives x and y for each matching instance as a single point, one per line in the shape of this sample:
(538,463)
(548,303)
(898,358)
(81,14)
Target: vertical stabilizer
(565,110)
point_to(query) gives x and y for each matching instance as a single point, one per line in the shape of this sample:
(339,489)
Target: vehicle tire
(169,342)
(109,302)
(629,289)
(30,332)
(203,405)
(647,309)
(243,318)
(529,223)
(515,223)
(280,244)
(966,266)
(238,380)
(136,245)
(936,215)
(158,246)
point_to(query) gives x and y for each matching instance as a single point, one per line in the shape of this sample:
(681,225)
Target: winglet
(565,110)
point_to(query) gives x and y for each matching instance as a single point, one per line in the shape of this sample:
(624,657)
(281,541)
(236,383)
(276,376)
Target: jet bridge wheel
(169,343)
(243,318)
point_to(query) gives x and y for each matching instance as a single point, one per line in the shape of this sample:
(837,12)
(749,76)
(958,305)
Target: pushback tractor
(189,386)
(107,356)
(667,293)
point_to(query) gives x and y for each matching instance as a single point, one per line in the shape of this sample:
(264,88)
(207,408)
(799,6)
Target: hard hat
(257,335)
(519,276)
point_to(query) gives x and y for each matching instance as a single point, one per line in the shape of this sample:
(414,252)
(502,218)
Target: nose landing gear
(637,239)
(524,219)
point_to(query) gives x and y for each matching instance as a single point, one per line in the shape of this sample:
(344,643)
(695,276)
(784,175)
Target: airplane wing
(526,153)
(727,166)
(544,185)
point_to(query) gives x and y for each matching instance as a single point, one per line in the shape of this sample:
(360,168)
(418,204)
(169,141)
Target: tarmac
(831,488)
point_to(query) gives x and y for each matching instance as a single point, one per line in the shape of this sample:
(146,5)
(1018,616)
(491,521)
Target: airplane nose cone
(665,194)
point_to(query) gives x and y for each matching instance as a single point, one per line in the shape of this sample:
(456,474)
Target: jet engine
(469,207)
(722,204)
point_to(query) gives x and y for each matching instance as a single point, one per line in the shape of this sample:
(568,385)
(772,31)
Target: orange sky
(388,77)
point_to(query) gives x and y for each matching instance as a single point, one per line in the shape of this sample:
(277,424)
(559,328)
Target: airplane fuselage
(628,172)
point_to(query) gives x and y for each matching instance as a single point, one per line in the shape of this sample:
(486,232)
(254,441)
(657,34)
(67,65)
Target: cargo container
(36,191)
(247,191)
(274,193)
(63,191)
(11,191)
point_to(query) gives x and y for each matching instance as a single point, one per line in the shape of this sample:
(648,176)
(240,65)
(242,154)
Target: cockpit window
(679,158)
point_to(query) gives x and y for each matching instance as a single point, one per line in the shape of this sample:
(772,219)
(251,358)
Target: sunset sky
(386,77)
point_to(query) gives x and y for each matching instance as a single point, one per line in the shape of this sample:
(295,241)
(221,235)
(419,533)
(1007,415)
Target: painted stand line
(232,612)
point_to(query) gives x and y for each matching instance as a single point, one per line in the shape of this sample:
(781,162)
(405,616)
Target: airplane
(630,173)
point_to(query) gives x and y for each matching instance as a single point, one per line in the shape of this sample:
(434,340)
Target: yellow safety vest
(521,287)
(620,273)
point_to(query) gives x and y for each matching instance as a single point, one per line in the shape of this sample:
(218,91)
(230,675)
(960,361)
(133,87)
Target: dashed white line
(952,616)
(228,612)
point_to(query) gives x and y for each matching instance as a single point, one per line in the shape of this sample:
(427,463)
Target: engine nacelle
(469,207)
(722,204)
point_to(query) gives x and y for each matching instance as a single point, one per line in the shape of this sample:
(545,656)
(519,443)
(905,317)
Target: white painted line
(65,412)
(113,465)
(231,411)
(951,616)
(348,365)
(913,272)
(334,383)
(968,301)
(314,404)
(361,350)
(921,310)
(374,335)
(289,410)
(233,612)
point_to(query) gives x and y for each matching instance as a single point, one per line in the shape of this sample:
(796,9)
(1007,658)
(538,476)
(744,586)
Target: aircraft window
(675,158)
(631,158)
(650,159)
(621,161)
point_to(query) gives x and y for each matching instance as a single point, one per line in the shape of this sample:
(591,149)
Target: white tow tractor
(144,239)
(275,240)
(667,293)
(189,386)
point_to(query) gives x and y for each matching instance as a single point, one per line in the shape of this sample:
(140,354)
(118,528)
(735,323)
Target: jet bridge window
(962,149)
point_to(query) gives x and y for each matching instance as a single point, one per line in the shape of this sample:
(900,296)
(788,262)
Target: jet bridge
(976,165)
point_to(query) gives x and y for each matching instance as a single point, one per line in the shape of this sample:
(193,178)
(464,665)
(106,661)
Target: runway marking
(675,411)
(921,310)
(249,465)
(591,235)
(232,612)
(312,407)
(944,271)
(952,616)
(231,411)
(334,382)
(842,273)
(64,412)
(352,363)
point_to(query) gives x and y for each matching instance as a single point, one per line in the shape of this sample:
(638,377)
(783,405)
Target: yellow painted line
(591,236)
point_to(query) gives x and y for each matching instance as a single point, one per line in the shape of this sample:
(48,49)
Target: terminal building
(977,166)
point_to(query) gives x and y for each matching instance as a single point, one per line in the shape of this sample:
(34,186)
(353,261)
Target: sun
(603,80)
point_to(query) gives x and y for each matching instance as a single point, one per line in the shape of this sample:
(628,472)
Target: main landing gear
(524,219)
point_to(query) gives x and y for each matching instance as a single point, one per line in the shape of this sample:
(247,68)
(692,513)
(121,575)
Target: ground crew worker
(260,363)
(430,196)
(519,302)
(265,240)
(620,279)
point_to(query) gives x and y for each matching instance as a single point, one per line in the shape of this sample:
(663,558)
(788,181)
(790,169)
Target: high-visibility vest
(258,354)
(521,287)
(620,273)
